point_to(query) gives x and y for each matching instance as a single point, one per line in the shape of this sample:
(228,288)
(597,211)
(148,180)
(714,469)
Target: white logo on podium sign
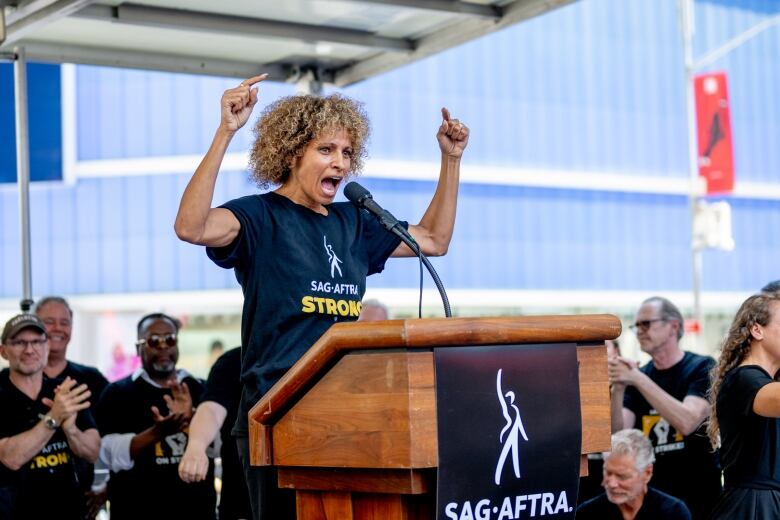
(510,434)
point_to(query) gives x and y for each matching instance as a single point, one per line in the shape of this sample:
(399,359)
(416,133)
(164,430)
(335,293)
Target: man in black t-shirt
(627,470)
(667,400)
(56,314)
(45,428)
(143,419)
(217,413)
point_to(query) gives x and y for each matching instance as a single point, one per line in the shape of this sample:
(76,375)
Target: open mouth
(330,185)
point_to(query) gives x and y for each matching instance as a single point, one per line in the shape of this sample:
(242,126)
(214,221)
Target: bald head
(373,310)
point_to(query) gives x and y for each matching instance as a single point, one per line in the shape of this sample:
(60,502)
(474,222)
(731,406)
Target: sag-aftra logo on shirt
(326,304)
(52,455)
(663,436)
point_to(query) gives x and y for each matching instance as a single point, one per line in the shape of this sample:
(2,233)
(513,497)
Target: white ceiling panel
(339,41)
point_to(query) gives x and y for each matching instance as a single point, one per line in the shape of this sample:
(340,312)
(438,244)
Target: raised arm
(197,222)
(434,231)
(118,451)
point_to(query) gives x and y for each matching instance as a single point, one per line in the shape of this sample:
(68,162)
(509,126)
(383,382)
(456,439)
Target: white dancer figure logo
(512,428)
(334,260)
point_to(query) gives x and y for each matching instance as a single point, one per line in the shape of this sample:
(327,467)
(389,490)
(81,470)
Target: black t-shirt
(750,444)
(96,382)
(656,506)
(224,388)
(91,376)
(685,467)
(47,486)
(152,489)
(590,485)
(300,272)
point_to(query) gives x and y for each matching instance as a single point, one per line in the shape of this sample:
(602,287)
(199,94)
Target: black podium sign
(510,432)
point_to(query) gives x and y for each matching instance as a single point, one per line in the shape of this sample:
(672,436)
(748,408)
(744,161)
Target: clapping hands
(69,399)
(179,410)
(621,370)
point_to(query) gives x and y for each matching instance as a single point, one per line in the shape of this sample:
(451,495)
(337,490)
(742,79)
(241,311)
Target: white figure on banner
(513,429)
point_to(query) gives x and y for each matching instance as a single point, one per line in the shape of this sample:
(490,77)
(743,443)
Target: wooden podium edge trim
(423,334)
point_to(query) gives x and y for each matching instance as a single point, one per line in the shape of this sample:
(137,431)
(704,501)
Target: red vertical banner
(713,118)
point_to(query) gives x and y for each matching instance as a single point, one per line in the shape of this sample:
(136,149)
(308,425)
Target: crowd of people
(159,428)
(677,420)
(710,435)
(302,260)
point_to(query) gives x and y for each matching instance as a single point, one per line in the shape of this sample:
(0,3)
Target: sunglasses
(644,324)
(158,342)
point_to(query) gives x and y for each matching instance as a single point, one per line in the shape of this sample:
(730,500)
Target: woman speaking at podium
(301,259)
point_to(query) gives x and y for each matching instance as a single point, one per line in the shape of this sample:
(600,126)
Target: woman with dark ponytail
(745,416)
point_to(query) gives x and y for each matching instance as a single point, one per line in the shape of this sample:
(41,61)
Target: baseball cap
(20,322)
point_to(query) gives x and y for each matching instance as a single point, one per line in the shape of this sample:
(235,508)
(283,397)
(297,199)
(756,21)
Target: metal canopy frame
(363,51)
(365,45)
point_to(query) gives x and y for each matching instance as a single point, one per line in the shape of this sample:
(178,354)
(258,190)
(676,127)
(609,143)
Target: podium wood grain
(352,426)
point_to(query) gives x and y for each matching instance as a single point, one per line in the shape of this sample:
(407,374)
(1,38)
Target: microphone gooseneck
(362,198)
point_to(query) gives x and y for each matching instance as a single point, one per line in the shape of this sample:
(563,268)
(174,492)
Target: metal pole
(23,172)
(687,26)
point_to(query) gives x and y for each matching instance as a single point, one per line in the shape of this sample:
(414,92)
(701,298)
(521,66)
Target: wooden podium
(352,425)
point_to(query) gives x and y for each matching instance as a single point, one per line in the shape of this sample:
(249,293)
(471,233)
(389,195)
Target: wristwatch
(49,421)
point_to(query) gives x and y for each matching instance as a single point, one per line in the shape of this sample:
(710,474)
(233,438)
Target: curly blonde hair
(287,125)
(736,347)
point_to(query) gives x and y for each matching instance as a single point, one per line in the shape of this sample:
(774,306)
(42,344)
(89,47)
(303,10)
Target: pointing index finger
(254,79)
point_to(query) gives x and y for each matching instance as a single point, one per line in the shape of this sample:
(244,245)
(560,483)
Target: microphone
(361,197)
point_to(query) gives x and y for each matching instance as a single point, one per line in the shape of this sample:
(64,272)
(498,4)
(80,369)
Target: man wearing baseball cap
(45,426)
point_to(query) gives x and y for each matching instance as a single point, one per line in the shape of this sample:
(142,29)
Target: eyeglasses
(23,344)
(158,342)
(644,324)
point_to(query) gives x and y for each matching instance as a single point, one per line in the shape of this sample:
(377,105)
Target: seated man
(144,419)
(627,470)
(45,427)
